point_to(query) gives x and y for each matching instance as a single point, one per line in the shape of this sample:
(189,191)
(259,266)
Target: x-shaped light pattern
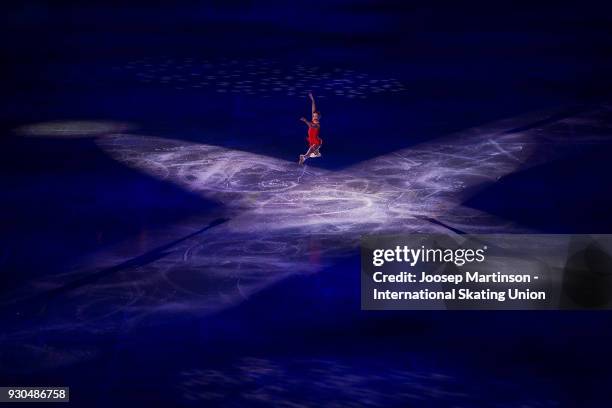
(284,220)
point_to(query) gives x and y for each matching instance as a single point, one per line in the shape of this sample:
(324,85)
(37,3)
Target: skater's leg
(311,149)
(315,152)
(303,157)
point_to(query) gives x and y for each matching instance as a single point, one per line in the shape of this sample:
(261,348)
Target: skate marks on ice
(283,223)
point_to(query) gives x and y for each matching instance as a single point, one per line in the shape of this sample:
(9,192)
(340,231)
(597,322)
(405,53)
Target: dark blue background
(463,65)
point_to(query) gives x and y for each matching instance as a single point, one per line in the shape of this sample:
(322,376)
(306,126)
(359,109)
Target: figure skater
(314,127)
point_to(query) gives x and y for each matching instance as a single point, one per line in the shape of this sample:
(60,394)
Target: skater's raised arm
(314,108)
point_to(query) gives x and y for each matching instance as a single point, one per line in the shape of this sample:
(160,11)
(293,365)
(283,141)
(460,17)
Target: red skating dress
(313,136)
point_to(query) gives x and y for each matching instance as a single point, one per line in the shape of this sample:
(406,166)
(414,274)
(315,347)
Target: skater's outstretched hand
(303,119)
(310,96)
